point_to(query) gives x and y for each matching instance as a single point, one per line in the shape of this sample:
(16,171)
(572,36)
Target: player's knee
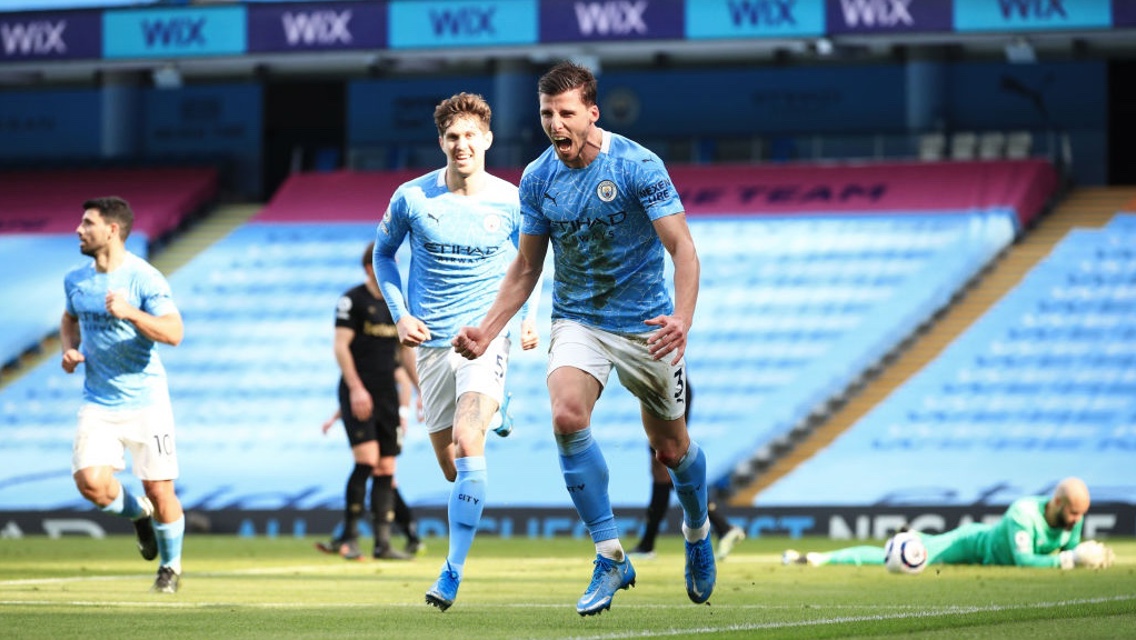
(95,488)
(160,492)
(98,495)
(568,418)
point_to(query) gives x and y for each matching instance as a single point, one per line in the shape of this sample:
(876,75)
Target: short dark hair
(369,256)
(462,104)
(567,76)
(114,209)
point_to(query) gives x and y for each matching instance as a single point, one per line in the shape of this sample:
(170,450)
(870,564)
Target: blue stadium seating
(1042,386)
(791,311)
(32,267)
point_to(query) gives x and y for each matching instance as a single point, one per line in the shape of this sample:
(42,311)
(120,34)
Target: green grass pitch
(523,588)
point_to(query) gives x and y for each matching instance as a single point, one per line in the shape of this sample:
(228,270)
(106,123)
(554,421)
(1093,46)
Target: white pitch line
(259,571)
(932,613)
(915,611)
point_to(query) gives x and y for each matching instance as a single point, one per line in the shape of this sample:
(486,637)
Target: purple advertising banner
(322,26)
(1123,13)
(580,20)
(26,37)
(887,16)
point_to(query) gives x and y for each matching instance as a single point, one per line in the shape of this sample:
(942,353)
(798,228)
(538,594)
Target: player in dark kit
(369,354)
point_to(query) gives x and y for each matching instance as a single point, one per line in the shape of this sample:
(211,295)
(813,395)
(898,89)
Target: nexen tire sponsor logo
(42,37)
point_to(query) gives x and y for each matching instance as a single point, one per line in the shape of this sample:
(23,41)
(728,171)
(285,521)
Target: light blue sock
(170,536)
(586,477)
(689,479)
(467,501)
(125,505)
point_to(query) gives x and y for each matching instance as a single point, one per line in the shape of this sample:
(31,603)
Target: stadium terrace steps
(1086,207)
(217,224)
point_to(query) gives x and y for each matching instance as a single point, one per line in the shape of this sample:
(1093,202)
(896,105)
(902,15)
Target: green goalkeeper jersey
(1023,538)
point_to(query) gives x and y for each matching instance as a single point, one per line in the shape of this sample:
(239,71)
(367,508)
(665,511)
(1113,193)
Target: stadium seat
(1045,380)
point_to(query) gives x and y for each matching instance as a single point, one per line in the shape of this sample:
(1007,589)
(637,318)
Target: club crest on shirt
(1023,541)
(491,222)
(606,191)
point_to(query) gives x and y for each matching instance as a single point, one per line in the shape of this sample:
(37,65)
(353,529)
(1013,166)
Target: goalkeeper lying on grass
(1036,531)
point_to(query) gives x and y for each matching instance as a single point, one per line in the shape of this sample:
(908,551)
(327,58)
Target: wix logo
(1038,9)
(611,18)
(882,13)
(179,32)
(317,27)
(41,37)
(770,13)
(467,21)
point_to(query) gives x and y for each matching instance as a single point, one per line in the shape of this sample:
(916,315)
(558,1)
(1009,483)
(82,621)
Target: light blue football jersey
(122,368)
(608,258)
(460,248)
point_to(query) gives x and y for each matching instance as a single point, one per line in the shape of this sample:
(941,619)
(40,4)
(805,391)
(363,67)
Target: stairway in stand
(1087,207)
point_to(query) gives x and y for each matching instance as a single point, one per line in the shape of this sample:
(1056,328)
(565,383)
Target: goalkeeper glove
(1089,554)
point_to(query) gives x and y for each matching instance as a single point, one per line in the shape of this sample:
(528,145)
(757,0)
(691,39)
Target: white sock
(694,535)
(610,549)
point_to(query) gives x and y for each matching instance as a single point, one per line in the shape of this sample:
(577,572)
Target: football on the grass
(905,553)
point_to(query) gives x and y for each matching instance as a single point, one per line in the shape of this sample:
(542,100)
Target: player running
(612,214)
(118,308)
(462,224)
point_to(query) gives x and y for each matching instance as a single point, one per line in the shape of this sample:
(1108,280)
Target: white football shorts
(105,434)
(444,375)
(659,385)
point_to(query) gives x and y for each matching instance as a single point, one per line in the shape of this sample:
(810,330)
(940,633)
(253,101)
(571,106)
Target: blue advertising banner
(154,33)
(1123,13)
(462,23)
(754,18)
(569,21)
(203,120)
(382,111)
(50,36)
(754,101)
(887,16)
(323,26)
(1031,15)
(51,124)
(1001,95)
